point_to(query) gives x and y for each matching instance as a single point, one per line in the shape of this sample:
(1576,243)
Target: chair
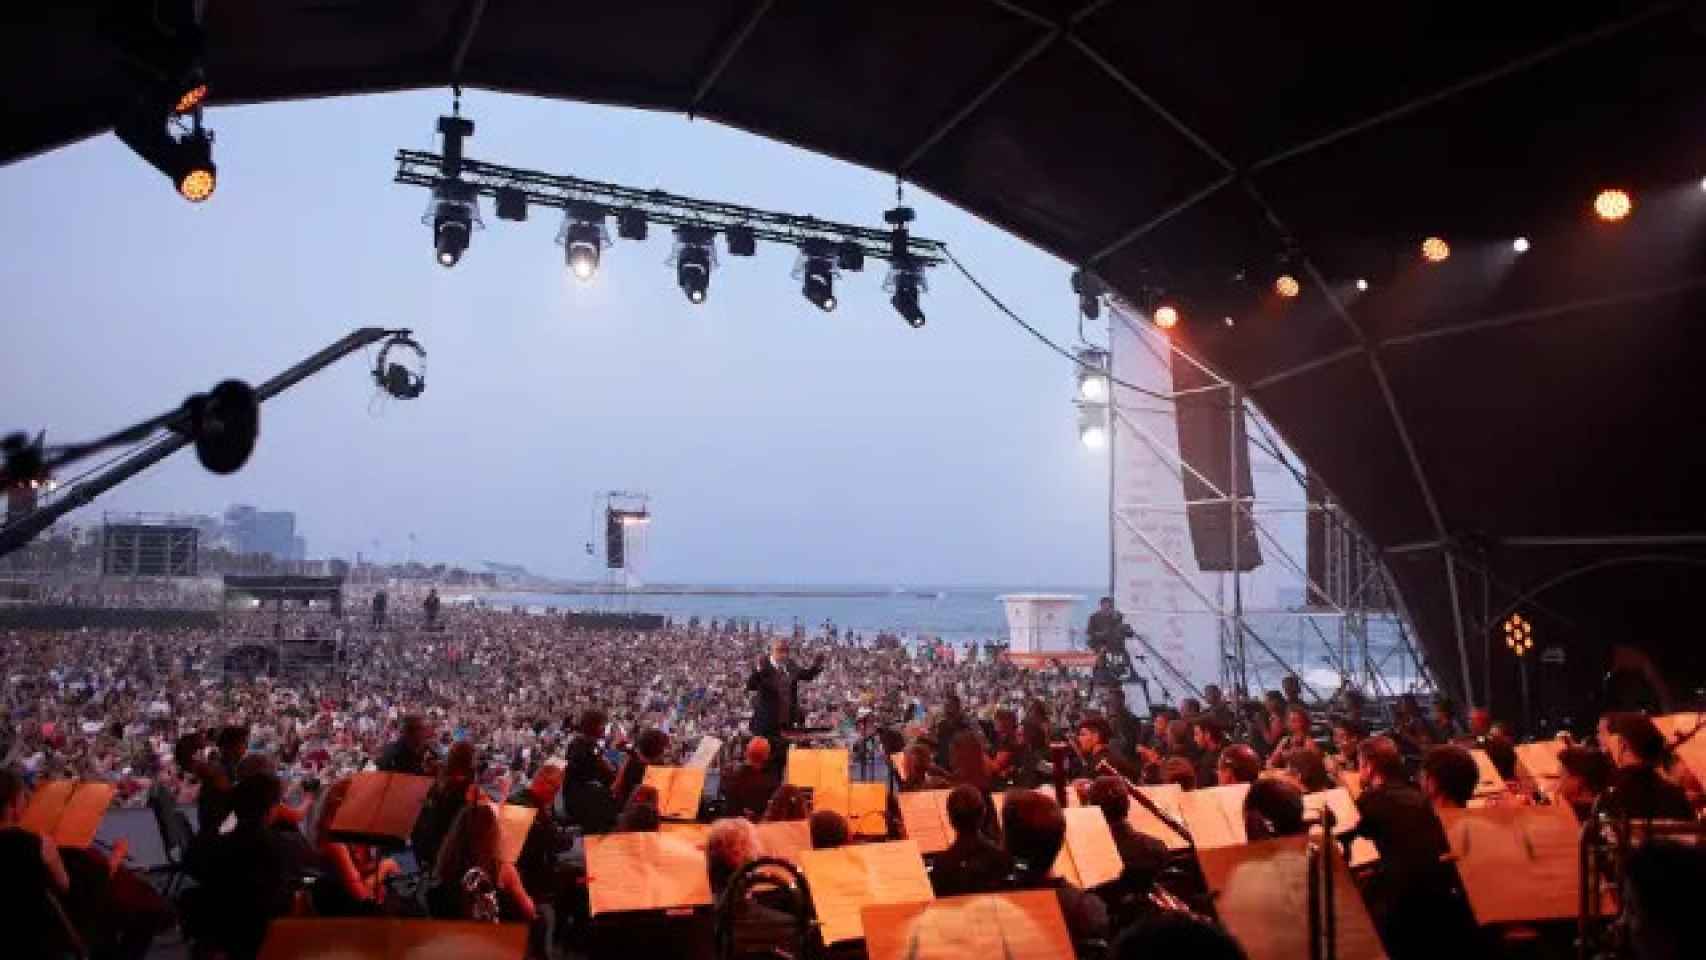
(783,889)
(175,838)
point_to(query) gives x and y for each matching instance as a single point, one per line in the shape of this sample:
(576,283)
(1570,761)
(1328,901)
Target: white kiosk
(1039,622)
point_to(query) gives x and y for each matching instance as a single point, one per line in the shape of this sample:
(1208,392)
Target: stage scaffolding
(1345,626)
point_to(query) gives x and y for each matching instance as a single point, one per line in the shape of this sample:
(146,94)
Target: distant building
(271,532)
(508,574)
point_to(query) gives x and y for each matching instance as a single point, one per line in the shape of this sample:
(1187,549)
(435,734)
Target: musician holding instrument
(1094,743)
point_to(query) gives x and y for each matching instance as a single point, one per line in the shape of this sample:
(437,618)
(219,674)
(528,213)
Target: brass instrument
(1158,896)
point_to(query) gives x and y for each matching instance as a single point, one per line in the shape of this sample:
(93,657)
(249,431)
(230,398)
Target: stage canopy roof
(1495,422)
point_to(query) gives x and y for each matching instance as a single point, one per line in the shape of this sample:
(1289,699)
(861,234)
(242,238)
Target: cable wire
(1033,331)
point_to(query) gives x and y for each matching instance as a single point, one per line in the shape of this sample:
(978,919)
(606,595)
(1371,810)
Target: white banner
(1155,568)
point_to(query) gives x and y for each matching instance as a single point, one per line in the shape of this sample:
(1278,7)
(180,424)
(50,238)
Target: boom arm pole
(21,531)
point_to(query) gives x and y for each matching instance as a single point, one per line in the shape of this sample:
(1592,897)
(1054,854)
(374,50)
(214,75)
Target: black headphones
(396,379)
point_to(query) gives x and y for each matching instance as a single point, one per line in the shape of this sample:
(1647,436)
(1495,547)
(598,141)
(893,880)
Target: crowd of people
(109,704)
(508,706)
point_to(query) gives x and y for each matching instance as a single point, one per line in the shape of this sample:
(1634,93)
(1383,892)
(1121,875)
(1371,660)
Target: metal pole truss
(1358,593)
(562,192)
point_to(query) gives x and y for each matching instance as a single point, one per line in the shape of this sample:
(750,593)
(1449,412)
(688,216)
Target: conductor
(775,687)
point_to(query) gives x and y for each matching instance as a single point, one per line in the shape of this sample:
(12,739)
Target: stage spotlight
(741,240)
(1286,286)
(1093,427)
(581,249)
(196,176)
(849,256)
(819,282)
(1520,244)
(693,262)
(1166,316)
(1362,284)
(583,239)
(906,281)
(187,161)
(1703,184)
(454,212)
(1435,249)
(1093,375)
(1612,205)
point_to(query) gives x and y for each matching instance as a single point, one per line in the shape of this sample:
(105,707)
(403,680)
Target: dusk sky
(779,443)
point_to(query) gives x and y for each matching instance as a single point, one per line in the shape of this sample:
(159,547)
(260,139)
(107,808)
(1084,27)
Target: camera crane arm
(21,531)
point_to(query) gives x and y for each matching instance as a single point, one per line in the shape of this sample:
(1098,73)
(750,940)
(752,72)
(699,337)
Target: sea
(954,614)
(1307,644)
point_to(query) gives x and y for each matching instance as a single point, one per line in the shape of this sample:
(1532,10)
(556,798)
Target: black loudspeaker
(1211,438)
(615,549)
(1315,533)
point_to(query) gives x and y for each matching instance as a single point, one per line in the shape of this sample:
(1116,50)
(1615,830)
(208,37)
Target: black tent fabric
(1499,424)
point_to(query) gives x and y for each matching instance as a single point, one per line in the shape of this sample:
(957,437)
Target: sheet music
(1345,819)
(679,789)
(69,811)
(1518,864)
(1023,925)
(1090,848)
(1215,816)
(868,805)
(1165,796)
(644,871)
(381,806)
(697,834)
(847,879)
(514,823)
(1490,782)
(825,772)
(785,839)
(1261,893)
(374,938)
(924,813)
(706,753)
(1540,760)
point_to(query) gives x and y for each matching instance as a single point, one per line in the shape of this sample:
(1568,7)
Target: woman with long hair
(356,882)
(471,882)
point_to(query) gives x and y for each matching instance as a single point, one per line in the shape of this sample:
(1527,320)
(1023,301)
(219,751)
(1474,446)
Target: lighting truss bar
(420,169)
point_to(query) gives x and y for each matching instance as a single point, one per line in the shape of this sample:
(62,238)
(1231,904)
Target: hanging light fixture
(1613,204)
(693,259)
(454,213)
(816,271)
(583,238)
(906,282)
(1093,375)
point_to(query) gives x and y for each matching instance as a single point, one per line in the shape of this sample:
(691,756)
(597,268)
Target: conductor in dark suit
(775,687)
